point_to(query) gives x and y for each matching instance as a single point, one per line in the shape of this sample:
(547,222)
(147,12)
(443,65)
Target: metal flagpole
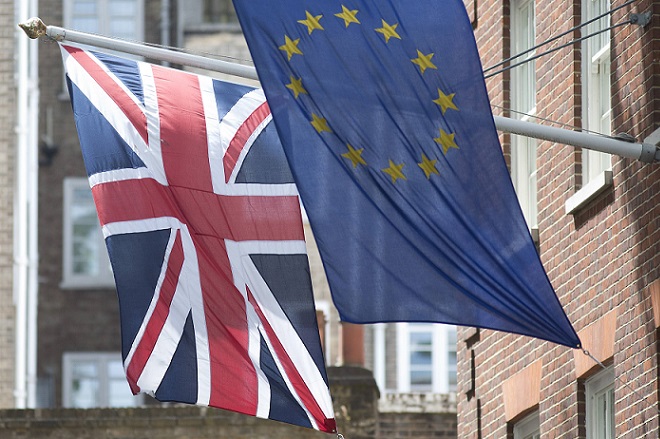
(35,28)
(645,152)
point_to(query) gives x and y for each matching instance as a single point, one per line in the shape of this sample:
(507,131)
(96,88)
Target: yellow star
(312,22)
(296,86)
(428,166)
(388,31)
(424,61)
(348,15)
(446,141)
(320,124)
(290,46)
(355,156)
(394,171)
(445,101)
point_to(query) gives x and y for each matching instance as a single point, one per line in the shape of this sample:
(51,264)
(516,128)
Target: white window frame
(600,388)
(596,71)
(440,357)
(528,427)
(104,21)
(523,100)
(104,29)
(101,359)
(71,280)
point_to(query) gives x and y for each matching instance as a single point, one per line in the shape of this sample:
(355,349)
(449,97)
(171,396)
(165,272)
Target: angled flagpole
(35,28)
(645,152)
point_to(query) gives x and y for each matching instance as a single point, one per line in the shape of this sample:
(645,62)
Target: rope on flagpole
(616,378)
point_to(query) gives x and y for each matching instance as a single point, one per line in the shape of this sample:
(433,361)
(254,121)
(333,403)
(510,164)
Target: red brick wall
(600,260)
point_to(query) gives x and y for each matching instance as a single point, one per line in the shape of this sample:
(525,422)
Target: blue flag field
(383,113)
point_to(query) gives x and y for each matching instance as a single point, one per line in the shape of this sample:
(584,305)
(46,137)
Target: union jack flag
(203,227)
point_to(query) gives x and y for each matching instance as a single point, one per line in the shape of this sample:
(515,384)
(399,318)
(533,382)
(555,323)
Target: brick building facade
(78,314)
(597,221)
(7,157)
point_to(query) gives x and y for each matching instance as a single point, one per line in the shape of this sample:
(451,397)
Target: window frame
(594,60)
(104,18)
(601,384)
(70,279)
(528,427)
(440,353)
(102,359)
(67,18)
(523,100)
(596,166)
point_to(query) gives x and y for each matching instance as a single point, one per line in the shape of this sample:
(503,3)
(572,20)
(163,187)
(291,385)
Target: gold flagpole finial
(34,28)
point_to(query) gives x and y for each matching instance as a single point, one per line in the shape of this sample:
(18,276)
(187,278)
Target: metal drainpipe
(33,218)
(20,214)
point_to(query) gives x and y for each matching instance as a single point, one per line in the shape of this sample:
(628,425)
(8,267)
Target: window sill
(87,285)
(585,195)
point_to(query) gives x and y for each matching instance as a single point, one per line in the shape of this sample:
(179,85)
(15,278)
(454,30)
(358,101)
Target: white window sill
(87,284)
(585,195)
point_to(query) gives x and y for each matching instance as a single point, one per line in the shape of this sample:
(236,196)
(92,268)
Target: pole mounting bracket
(641,19)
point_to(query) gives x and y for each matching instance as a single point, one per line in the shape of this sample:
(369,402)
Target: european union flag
(385,120)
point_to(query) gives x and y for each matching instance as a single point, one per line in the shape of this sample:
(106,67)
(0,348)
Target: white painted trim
(582,197)
(594,387)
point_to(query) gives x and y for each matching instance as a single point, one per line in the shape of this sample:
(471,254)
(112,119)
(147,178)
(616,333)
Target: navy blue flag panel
(382,110)
(203,227)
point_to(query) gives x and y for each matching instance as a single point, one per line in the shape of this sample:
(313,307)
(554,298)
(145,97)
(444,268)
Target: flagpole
(645,152)
(35,28)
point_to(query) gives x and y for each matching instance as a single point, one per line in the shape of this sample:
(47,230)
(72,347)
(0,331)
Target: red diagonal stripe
(242,135)
(132,111)
(157,320)
(291,371)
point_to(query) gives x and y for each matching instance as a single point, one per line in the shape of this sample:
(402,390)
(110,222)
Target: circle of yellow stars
(423,62)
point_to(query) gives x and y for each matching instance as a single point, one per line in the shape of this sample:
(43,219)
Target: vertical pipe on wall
(20,213)
(33,212)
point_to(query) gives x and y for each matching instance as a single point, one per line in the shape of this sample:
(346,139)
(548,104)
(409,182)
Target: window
(523,102)
(116,18)
(85,259)
(597,107)
(96,380)
(599,392)
(426,358)
(527,428)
